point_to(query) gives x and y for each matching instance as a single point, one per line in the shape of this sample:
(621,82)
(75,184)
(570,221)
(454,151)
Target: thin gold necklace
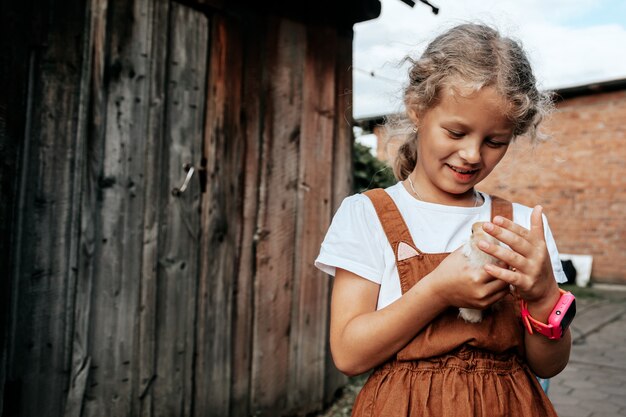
(476,194)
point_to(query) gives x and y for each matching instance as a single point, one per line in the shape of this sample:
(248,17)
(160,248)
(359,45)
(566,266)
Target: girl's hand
(532,275)
(459,284)
(531,268)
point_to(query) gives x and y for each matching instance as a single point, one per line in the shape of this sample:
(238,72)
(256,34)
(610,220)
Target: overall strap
(393,224)
(501,207)
(396,229)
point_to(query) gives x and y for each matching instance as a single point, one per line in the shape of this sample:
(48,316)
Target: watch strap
(533,324)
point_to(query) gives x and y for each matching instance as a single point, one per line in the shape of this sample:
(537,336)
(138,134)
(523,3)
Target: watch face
(568,317)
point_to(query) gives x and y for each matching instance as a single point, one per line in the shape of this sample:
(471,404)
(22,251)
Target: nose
(470,151)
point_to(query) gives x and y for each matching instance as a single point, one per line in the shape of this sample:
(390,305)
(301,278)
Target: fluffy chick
(478,259)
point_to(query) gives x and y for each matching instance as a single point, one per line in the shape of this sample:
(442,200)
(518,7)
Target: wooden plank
(244,294)
(344,137)
(341,174)
(276,229)
(119,157)
(83,236)
(8,151)
(41,319)
(145,373)
(180,238)
(309,315)
(14,74)
(15,38)
(224,150)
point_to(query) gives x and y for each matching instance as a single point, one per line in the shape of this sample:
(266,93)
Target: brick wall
(579,177)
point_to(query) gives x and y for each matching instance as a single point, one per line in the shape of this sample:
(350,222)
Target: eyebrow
(466,127)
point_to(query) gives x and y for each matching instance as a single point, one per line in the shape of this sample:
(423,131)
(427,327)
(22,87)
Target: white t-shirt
(357,242)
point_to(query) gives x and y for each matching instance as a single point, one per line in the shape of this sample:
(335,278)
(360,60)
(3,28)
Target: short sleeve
(353,241)
(557,267)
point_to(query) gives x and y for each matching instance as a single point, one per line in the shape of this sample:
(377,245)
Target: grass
(342,406)
(596,294)
(583,292)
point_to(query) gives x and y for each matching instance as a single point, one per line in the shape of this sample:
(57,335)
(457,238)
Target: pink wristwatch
(559,319)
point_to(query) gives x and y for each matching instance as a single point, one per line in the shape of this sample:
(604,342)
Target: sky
(569,42)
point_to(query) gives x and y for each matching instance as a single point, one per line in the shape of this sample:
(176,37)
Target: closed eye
(455,134)
(495,143)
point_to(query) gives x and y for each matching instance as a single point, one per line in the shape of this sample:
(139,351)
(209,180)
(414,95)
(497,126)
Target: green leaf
(370,172)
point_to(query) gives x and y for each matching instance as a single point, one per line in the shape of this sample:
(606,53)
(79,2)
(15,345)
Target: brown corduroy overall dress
(452,368)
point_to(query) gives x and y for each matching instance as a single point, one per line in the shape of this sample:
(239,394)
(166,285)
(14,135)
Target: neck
(470,198)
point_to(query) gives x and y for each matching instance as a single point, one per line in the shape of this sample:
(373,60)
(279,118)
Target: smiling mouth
(463,171)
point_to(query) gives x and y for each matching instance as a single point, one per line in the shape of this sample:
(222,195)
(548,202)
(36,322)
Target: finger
(495,285)
(515,241)
(536,223)
(508,256)
(496,293)
(510,225)
(490,291)
(506,275)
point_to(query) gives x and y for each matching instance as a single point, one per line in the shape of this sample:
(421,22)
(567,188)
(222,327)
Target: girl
(400,276)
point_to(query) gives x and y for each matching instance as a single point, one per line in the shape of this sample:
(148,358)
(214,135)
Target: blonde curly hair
(475,56)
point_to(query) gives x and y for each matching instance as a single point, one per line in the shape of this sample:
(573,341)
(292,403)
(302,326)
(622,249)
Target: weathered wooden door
(179,165)
(145,269)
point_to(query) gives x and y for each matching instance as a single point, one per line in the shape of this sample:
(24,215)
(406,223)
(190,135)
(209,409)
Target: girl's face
(461,140)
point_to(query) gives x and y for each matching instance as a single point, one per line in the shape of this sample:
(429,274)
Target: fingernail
(482,244)
(498,220)
(488,227)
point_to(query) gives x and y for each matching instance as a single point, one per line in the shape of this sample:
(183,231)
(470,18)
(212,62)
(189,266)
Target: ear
(405,251)
(413,116)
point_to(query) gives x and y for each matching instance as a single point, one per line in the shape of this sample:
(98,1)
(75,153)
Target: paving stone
(611,389)
(602,407)
(578,383)
(605,415)
(618,400)
(570,410)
